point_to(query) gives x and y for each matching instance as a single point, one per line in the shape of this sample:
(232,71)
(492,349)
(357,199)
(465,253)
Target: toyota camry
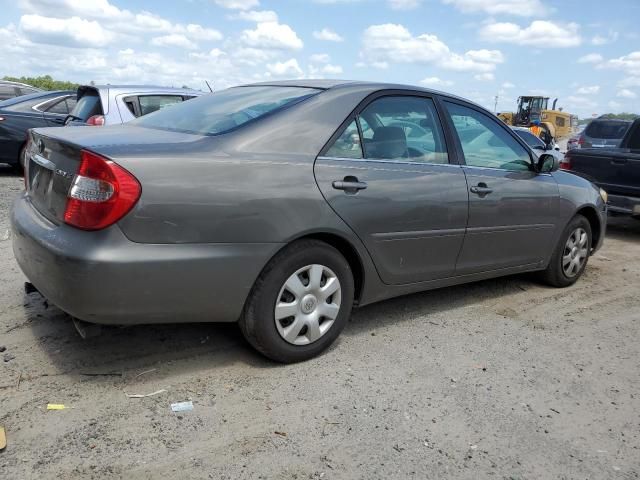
(283,205)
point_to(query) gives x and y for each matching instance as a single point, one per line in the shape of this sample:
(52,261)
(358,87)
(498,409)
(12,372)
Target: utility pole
(495,105)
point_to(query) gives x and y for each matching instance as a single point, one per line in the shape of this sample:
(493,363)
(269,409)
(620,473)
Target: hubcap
(575,252)
(308,304)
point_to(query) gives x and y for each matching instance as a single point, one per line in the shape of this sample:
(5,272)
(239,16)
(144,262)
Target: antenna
(210,89)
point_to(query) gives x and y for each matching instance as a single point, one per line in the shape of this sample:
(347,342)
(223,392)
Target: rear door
(387,174)
(511,207)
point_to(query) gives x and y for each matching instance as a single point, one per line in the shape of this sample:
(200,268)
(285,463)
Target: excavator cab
(530,109)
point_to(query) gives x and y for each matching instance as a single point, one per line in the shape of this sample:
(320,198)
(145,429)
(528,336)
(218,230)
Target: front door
(387,175)
(511,207)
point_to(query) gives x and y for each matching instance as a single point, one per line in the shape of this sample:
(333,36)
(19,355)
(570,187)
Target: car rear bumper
(624,205)
(103,277)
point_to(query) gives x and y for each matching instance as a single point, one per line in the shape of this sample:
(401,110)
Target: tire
(19,166)
(567,263)
(301,261)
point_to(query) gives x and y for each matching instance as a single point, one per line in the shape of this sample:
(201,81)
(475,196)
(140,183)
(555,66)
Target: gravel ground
(498,379)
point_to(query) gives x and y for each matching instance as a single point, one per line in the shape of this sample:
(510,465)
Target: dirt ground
(503,379)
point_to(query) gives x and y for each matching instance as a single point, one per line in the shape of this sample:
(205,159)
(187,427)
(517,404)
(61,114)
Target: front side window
(226,110)
(348,144)
(484,142)
(403,128)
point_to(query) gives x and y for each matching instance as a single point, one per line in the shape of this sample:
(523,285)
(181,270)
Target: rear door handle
(618,161)
(349,185)
(481,189)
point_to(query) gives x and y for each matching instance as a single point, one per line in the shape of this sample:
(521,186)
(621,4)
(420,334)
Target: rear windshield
(225,110)
(607,130)
(88,106)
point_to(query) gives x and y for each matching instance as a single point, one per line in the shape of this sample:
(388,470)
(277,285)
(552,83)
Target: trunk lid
(54,155)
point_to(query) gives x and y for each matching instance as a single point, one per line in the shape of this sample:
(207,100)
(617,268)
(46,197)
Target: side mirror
(547,163)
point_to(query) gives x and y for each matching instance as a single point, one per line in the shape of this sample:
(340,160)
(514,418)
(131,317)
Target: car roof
(35,96)
(138,88)
(326,84)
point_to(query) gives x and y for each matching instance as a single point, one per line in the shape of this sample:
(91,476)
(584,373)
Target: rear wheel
(571,254)
(300,303)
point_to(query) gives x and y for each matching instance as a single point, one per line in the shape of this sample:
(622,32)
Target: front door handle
(481,190)
(349,184)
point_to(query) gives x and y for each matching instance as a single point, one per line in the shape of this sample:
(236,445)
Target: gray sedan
(283,205)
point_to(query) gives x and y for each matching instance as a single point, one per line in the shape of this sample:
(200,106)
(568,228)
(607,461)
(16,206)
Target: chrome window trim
(35,107)
(377,160)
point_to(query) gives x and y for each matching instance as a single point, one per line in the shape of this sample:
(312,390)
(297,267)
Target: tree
(44,82)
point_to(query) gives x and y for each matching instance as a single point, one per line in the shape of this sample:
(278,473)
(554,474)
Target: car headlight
(604,195)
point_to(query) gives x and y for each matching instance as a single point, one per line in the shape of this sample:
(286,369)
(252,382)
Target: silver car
(114,104)
(281,206)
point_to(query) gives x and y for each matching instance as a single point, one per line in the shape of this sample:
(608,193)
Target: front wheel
(300,302)
(571,254)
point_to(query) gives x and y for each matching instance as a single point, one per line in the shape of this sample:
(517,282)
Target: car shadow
(8,171)
(623,228)
(202,346)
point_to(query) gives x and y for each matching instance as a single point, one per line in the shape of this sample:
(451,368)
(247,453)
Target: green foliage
(44,82)
(620,116)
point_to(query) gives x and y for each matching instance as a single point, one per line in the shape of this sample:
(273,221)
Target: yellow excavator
(533,110)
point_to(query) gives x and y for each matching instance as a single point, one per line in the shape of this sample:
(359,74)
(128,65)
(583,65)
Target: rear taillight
(565,163)
(102,193)
(96,120)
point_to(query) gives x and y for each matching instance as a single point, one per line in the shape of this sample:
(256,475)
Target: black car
(19,114)
(14,89)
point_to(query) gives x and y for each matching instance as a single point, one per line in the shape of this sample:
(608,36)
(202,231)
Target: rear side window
(7,91)
(225,110)
(531,139)
(60,107)
(348,144)
(152,103)
(88,106)
(484,142)
(607,130)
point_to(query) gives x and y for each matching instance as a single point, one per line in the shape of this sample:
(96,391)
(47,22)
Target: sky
(586,53)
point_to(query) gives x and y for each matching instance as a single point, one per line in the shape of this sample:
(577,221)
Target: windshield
(225,110)
(530,138)
(607,130)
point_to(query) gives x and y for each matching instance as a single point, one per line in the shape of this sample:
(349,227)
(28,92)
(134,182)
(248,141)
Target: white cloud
(258,16)
(484,77)
(523,8)
(615,105)
(197,32)
(539,33)
(290,68)
(581,101)
(629,82)
(435,82)
(237,4)
(626,93)
(74,31)
(393,43)
(630,64)
(174,40)
(320,58)
(404,4)
(600,40)
(272,35)
(592,90)
(330,69)
(328,35)
(591,58)
(508,85)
